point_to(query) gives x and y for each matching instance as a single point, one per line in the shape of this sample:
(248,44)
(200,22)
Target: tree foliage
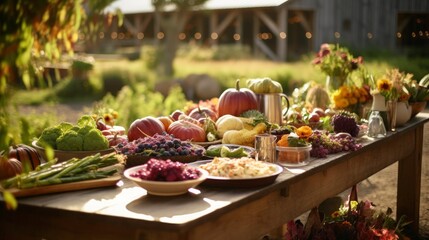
(42,29)
(37,30)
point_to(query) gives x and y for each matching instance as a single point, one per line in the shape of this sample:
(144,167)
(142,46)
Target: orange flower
(283,142)
(304,132)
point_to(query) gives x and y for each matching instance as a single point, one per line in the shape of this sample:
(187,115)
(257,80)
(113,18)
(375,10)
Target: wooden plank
(65,187)
(267,20)
(226,22)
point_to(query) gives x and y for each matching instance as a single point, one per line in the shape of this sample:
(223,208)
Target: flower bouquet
(337,63)
(353,221)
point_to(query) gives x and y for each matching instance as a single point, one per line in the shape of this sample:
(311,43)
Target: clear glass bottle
(376,128)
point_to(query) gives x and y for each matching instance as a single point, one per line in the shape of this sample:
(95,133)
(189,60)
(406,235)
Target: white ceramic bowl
(161,188)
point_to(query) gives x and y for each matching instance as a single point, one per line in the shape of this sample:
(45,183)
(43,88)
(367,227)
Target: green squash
(264,85)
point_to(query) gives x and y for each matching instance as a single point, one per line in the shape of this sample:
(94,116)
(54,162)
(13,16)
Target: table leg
(409,183)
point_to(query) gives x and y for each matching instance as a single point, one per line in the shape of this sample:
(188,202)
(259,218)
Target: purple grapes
(324,143)
(160,145)
(166,171)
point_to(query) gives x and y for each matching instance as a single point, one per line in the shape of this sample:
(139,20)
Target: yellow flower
(384,84)
(342,103)
(336,96)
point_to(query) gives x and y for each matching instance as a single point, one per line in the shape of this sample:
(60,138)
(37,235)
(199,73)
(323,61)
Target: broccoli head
(70,141)
(49,137)
(86,120)
(94,140)
(84,130)
(65,126)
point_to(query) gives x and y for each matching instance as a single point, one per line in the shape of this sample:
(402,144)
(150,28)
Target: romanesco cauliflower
(94,140)
(70,141)
(49,137)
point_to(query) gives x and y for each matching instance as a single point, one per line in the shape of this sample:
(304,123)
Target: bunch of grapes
(160,145)
(166,171)
(324,143)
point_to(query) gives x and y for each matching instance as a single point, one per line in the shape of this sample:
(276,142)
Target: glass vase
(334,82)
(392,106)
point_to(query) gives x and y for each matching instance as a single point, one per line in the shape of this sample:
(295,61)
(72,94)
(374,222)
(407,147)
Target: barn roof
(139,6)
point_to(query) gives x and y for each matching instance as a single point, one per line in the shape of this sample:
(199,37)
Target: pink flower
(385,234)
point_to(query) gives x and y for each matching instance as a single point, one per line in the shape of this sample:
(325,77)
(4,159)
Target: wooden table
(127,212)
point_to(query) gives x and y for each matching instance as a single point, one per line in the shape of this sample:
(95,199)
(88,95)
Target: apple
(145,127)
(313,118)
(116,139)
(114,130)
(294,116)
(187,131)
(176,114)
(102,126)
(319,111)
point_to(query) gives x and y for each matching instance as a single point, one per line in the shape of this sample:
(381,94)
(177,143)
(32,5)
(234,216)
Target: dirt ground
(379,188)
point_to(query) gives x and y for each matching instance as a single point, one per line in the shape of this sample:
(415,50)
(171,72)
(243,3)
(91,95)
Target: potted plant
(419,94)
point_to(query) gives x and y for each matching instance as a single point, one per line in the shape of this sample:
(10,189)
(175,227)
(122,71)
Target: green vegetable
(94,140)
(49,137)
(86,120)
(264,85)
(214,151)
(68,137)
(65,126)
(225,151)
(236,153)
(70,141)
(73,170)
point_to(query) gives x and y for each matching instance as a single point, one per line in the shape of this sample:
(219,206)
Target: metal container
(265,145)
(272,106)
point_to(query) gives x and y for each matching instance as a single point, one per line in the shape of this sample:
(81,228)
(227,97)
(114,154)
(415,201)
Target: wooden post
(213,27)
(282,43)
(409,183)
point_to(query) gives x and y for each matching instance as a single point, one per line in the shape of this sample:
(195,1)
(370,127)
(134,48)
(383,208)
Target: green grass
(111,75)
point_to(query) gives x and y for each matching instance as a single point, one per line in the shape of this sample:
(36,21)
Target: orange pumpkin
(166,121)
(235,101)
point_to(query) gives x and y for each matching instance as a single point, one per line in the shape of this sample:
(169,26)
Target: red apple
(187,131)
(176,114)
(116,139)
(319,111)
(313,118)
(102,126)
(144,127)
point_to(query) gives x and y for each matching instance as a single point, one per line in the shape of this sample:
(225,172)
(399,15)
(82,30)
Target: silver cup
(265,145)
(271,105)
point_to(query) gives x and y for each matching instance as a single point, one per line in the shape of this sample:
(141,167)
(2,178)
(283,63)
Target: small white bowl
(161,188)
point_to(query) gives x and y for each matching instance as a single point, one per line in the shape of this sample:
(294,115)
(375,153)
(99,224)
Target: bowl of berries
(166,177)
(159,146)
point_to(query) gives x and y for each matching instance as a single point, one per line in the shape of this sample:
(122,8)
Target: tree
(37,30)
(173,23)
